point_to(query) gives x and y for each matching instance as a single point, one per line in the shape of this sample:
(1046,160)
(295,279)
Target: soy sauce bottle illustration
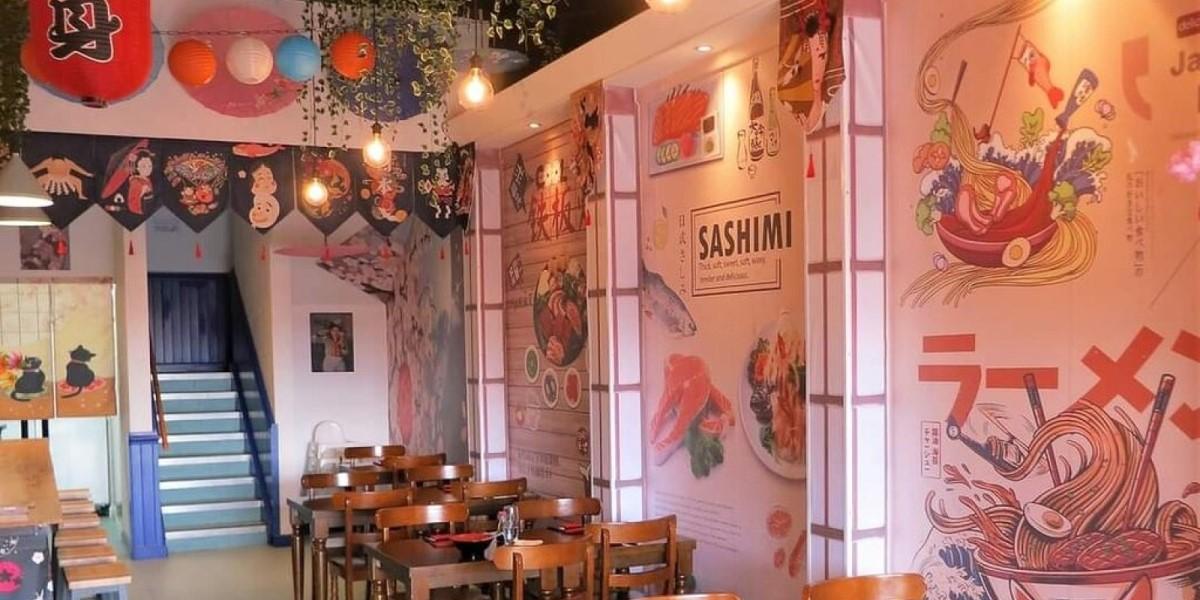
(758,129)
(773,131)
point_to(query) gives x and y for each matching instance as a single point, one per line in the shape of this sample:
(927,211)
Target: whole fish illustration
(662,303)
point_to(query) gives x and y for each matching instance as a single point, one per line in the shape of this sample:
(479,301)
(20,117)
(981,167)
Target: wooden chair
(626,534)
(351,566)
(558,508)
(363,481)
(78,556)
(403,463)
(694,597)
(486,490)
(70,538)
(453,515)
(519,559)
(356,453)
(900,586)
(98,580)
(440,474)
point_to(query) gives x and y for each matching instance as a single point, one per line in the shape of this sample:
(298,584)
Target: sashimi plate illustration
(772,398)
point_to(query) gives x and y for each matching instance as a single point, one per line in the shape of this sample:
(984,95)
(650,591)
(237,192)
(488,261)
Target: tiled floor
(254,573)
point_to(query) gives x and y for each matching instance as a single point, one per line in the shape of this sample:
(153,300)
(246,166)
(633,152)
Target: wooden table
(27,474)
(424,568)
(317,516)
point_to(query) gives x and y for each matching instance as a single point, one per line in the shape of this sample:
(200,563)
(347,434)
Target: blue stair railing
(258,420)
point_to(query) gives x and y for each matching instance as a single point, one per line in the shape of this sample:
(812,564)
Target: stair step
(176,396)
(195,382)
(202,376)
(192,438)
(191,515)
(204,532)
(207,489)
(178,509)
(204,465)
(202,416)
(202,482)
(202,459)
(216,538)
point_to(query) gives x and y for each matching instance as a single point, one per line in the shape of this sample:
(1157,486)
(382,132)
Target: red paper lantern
(98,51)
(353,55)
(192,62)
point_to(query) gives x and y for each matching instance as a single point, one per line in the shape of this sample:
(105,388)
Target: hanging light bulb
(476,90)
(377,153)
(315,192)
(19,188)
(668,6)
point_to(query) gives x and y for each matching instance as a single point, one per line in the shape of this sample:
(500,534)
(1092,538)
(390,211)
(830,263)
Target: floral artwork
(197,177)
(1010,203)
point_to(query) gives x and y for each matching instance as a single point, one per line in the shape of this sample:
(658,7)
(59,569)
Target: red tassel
(61,248)
(385,251)
(262,253)
(442,253)
(587,218)
(199,252)
(812,167)
(131,248)
(466,248)
(326,253)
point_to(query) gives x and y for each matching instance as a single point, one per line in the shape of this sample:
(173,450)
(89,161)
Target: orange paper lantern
(353,55)
(192,62)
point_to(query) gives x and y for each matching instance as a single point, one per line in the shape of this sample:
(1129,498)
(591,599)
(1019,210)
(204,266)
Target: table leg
(378,584)
(297,558)
(319,569)
(418,589)
(684,569)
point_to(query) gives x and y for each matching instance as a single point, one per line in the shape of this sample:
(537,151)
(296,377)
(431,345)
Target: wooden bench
(77,507)
(69,538)
(78,556)
(80,521)
(108,580)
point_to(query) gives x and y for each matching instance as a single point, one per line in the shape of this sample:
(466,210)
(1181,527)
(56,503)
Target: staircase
(206,480)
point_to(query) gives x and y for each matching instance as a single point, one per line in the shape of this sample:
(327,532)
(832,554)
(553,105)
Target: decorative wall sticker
(572,389)
(533,364)
(45,248)
(516,271)
(772,398)
(518,184)
(1184,165)
(691,413)
(263,184)
(560,311)
(550,388)
(686,126)
(811,65)
(757,129)
(661,303)
(587,134)
(128,193)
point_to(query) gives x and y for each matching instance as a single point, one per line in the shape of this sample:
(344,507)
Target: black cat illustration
(79,374)
(32,382)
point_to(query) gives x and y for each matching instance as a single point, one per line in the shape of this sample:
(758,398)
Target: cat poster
(332,338)
(25,393)
(84,369)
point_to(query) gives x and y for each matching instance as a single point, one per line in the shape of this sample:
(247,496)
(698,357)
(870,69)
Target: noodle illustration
(1008,213)
(1098,519)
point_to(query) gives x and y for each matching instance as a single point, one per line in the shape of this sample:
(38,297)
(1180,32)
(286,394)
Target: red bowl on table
(472,545)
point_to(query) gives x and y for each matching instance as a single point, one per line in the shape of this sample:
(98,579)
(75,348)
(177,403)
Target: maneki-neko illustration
(1008,203)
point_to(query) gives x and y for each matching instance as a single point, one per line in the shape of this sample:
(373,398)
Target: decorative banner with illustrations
(587,131)
(336,169)
(811,65)
(45,248)
(132,178)
(387,196)
(723,354)
(261,184)
(65,166)
(545,316)
(127,190)
(84,347)
(26,391)
(195,181)
(1043,239)
(686,126)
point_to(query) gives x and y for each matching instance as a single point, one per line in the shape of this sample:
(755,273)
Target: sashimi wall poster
(1043,241)
(545,312)
(723,333)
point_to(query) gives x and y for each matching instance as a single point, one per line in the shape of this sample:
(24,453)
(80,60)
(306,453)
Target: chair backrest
(626,534)
(361,452)
(349,502)
(440,474)
(408,517)
(520,559)
(694,597)
(897,586)
(365,479)
(511,488)
(558,508)
(402,463)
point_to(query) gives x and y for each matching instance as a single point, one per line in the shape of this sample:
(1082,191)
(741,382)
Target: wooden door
(189,319)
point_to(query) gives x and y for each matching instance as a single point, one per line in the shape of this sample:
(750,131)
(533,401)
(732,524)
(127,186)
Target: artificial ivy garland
(14,84)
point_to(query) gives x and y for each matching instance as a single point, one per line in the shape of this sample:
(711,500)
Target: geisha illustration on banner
(128,192)
(811,65)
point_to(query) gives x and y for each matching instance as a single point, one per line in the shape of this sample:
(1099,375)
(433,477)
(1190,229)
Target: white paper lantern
(250,61)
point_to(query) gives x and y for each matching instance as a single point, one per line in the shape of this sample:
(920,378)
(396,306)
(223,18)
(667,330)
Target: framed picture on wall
(331,336)
(686,126)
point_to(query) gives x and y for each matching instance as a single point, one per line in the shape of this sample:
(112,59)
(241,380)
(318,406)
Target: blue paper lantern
(298,58)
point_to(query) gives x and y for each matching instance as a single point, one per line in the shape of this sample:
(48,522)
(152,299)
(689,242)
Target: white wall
(172,244)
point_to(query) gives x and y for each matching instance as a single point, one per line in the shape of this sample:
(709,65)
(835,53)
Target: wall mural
(723,355)
(545,308)
(57,350)
(420,279)
(131,178)
(1047,328)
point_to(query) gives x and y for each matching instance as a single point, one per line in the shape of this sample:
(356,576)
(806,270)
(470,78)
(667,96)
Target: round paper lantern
(192,62)
(250,61)
(298,58)
(353,55)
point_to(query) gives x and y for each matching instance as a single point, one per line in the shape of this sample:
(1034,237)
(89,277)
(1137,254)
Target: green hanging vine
(426,28)
(14,85)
